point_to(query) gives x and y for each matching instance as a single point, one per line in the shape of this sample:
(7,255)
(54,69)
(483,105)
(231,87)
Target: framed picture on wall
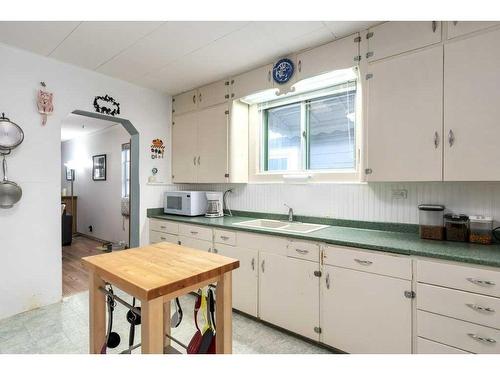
(99,167)
(70,174)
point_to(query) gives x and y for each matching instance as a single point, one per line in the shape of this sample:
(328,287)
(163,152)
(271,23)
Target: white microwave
(187,203)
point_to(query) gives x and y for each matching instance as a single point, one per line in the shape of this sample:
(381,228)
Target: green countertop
(405,242)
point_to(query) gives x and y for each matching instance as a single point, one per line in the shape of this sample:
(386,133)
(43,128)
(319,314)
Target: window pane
(283,138)
(332,132)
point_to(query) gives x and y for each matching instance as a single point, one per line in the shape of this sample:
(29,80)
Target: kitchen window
(313,132)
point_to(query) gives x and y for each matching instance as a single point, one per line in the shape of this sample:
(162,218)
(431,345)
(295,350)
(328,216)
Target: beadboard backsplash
(367,202)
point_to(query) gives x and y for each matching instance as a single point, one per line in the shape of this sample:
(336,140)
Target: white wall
(98,202)
(369,202)
(30,233)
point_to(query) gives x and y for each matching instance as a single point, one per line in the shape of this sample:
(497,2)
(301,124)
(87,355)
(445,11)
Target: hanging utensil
(176,319)
(11,134)
(10,192)
(211,317)
(134,319)
(112,338)
(194,344)
(208,333)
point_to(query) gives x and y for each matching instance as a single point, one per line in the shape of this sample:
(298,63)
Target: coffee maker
(215,206)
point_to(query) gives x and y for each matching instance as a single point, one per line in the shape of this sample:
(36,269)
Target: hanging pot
(11,134)
(10,192)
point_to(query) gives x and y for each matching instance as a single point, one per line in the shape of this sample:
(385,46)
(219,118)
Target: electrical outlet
(399,193)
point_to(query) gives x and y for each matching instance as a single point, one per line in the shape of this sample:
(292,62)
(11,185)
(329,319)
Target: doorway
(99,191)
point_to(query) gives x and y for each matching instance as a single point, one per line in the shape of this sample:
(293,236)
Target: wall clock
(283,71)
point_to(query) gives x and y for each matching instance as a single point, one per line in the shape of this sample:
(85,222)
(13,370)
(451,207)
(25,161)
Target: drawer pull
(327,281)
(225,238)
(480,282)
(193,232)
(473,306)
(301,251)
(363,262)
(262,266)
(163,227)
(253,264)
(209,249)
(163,238)
(482,339)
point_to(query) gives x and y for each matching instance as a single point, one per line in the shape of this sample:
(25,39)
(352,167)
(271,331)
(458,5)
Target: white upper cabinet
(184,102)
(471,109)
(339,54)
(404,117)
(184,147)
(459,28)
(251,82)
(393,38)
(213,94)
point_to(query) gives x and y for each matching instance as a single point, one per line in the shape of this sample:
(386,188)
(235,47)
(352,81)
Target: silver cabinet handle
(199,97)
(209,249)
(194,99)
(225,238)
(194,160)
(434,26)
(480,308)
(451,138)
(215,250)
(179,243)
(300,65)
(162,238)
(193,232)
(300,251)
(269,76)
(262,265)
(327,281)
(363,262)
(480,282)
(436,139)
(199,160)
(253,264)
(482,339)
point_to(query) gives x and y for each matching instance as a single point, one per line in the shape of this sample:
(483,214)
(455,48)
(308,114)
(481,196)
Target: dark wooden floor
(75,277)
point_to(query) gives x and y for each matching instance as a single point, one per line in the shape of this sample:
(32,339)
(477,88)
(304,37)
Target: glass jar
(481,229)
(430,220)
(457,227)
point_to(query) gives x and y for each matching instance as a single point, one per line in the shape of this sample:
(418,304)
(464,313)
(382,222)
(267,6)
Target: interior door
(184,147)
(212,142)
(404,118)
(364,313)
(245,278)
(471,109)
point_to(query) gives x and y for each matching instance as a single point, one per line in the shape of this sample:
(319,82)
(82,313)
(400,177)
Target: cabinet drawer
(425,346)
(196,231)
(155,237)
(467,306)
(164,226)
(382,264)
(459,334)
(225,237)
(467,278)
(303,250)
(194,243)
(271,244)
(184,102)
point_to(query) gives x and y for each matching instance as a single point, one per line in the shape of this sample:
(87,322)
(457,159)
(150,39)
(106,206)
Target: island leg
(166,323)
(152,331)
(224,312)
(97,314)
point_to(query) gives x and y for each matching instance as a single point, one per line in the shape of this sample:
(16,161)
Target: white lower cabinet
(425,346)
(365,313)
(289,294)
(245,278)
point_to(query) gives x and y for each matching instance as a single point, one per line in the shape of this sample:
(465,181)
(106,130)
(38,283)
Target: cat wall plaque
(44,103)
(106,105)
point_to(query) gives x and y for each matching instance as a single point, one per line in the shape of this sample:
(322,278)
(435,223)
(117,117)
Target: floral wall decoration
(106,105)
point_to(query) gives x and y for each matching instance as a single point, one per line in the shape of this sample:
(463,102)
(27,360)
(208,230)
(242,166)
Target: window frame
(125,168)
(259,122)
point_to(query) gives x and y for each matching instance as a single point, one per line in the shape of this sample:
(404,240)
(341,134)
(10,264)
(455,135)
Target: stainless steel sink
(285,226)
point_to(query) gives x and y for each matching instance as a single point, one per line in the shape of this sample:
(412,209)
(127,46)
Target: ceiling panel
(38,37)
(345,28)
(74,126)
(169,42)
(94,43)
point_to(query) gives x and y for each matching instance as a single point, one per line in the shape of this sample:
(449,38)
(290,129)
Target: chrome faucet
(290,212)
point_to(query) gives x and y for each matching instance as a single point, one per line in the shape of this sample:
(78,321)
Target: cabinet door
(212,144)
(471,110)
(459,28)
(339,54)
(215,93)
(288,293)
(404,118)
(184,148)
(184,102)
(245,278)
(393,38)
(256,80)
(195,244)
(365,313)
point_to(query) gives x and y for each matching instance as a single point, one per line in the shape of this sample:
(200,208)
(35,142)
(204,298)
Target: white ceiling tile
(169,42)
(38,37)
(93,43)
(345,28)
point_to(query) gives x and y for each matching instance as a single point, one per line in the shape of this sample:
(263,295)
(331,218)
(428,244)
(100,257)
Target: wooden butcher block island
(155,275)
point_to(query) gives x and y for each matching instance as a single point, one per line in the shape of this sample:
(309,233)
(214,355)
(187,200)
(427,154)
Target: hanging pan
(10,192)
(11,135)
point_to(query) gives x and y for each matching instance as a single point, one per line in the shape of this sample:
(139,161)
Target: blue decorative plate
(283,71)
